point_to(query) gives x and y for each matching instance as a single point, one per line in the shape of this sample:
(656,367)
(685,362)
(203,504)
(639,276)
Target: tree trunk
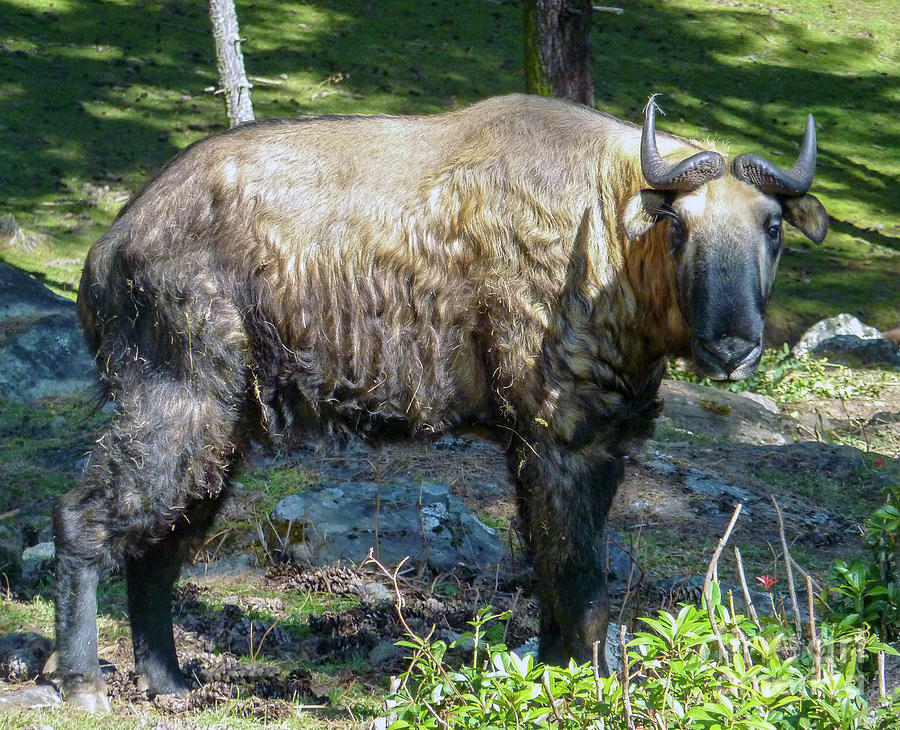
(558,49)
(230,61)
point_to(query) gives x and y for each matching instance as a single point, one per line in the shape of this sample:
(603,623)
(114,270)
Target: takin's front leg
(564,497)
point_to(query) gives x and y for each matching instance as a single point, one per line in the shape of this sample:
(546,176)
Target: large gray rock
(845,339)
(741,417)
(857,352)
(42,350)
(343,521)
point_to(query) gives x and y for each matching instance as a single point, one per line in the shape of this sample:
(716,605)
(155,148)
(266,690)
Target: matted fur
(377,274)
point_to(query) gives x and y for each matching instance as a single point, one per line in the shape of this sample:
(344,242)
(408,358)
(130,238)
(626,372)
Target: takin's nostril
(730,351)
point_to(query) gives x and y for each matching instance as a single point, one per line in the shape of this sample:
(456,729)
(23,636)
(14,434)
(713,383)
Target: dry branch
(787,565)
(748,602)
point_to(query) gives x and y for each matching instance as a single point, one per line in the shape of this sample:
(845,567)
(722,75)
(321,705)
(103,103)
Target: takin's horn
(686,175)
(770,179)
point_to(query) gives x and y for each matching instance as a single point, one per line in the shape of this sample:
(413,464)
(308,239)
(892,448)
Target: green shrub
(677,677)
(866,592)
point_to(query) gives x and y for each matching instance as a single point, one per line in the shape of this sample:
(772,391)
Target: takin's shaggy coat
(506,264)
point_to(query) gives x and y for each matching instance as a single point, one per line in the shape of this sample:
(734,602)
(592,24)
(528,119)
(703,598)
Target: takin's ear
(642,212)
(807,214)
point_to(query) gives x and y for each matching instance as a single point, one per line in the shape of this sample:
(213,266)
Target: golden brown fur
(469,225)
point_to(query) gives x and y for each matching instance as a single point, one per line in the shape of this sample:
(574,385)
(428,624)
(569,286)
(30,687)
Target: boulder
(41,345)
(844,339)
(343,520)
(858,352)
(714,413)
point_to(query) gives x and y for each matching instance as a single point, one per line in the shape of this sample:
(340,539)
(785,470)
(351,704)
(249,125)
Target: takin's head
(725,235)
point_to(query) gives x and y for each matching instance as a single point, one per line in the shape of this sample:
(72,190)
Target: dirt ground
(243,640)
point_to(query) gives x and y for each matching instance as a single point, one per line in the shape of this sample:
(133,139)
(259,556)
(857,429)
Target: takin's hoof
(78,693)
(92,702)
(166,685)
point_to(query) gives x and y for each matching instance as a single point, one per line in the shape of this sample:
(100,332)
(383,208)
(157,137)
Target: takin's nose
(727,358)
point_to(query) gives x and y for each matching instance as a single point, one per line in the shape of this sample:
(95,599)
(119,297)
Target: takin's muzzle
(727,358)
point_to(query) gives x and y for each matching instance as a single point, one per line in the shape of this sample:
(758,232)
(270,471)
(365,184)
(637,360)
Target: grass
(97,95)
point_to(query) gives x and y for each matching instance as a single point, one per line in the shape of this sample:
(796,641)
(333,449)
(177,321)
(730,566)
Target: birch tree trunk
(558,49)
(230,61)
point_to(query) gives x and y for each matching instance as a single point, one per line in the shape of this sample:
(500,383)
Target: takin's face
(726,238)
(725,234)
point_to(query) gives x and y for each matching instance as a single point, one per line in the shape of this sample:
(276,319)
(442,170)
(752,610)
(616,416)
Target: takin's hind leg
(164,461)
(150,578)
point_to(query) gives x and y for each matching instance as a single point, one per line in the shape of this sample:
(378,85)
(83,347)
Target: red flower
(767,580)
(879,463)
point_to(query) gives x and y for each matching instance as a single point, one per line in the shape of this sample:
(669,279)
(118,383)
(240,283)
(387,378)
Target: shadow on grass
(869,235)
(77,88)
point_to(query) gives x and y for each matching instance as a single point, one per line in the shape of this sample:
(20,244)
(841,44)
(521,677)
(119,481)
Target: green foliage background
(95,95)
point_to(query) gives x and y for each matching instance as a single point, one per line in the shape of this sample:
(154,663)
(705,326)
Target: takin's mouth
(728,358)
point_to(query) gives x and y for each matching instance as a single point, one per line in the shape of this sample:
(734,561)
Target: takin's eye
(774,236)
(677,235)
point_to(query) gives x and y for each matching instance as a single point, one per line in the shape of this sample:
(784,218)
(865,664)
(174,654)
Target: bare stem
(713,568)
(748,602)
(626,699)
(545,680)
(787,564)
(714,562)
(813,638)
(630,573)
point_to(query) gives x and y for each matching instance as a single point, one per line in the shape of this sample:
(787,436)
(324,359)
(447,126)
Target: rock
(385,651)
(716,414)
(839,462)
(343,521)
(844,339)
(619,563)
(708,484)
(23,655)
(761,400)
(41,345)
(36,559)
(842,324)
(855,351)
(41,695)
(614,646)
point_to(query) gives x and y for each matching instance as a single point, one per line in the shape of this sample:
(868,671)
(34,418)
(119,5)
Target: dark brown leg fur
(564,496)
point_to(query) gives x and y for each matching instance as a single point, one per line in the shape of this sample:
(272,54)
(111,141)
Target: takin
(524,264)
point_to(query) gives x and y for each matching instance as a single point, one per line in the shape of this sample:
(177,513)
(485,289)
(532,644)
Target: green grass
(35,615)
(97,94)
(40,441)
